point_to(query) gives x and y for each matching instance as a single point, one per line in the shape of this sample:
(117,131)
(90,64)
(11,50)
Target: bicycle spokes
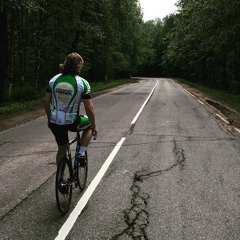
(64,186)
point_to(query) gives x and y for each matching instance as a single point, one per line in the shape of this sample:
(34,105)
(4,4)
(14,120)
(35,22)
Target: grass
(232,100)
(16,107)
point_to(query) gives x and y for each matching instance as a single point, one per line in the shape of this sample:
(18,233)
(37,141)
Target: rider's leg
(85,126)
(85,140)
(61,137)
(61,153)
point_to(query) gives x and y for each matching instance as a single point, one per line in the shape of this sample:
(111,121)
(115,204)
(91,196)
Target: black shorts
(61,131)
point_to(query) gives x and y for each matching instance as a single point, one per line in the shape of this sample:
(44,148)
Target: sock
(82,150)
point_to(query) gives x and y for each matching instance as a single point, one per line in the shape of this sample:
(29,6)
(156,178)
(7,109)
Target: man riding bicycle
(62,103)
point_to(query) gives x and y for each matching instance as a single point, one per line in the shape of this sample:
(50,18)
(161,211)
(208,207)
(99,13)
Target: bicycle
(69,175)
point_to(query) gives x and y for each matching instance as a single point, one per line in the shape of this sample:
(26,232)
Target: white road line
(238,130)
(139,112)
(222,119)
(189,93)
(67,226)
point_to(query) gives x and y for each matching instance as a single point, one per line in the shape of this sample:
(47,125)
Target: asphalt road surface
(172,173)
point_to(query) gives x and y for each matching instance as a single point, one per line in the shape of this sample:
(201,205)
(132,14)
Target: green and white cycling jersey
(67,92)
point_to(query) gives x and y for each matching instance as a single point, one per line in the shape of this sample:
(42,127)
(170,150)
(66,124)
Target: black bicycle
(69,175)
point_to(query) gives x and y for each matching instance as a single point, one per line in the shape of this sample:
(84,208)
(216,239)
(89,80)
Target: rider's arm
(47,103)
(91,114)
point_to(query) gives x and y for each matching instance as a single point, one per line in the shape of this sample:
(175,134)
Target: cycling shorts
(61,131)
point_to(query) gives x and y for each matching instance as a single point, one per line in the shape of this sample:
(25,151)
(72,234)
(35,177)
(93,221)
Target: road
(175,176)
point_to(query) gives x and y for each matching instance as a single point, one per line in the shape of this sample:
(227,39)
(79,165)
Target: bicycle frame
(69,154)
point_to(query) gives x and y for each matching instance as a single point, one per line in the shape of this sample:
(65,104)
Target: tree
(41,33)
(204,42)
(3,50)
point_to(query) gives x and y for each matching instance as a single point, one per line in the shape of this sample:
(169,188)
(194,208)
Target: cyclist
(62,104)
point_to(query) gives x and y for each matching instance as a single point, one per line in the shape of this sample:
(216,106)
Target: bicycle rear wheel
(82,173)
(63,186)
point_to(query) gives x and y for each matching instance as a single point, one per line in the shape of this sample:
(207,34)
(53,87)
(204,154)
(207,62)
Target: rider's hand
(94,131)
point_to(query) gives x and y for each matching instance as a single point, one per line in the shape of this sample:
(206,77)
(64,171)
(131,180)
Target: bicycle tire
(82,173)
(63,186)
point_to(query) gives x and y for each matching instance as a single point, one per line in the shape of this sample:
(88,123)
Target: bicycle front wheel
(63,186)
(82,173)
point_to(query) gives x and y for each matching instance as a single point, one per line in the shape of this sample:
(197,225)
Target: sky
(157,8)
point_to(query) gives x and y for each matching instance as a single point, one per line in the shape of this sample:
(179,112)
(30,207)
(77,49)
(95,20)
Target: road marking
(189,93)
(238,130)
(222,119)
(144,104)
(185,90)
(67,226)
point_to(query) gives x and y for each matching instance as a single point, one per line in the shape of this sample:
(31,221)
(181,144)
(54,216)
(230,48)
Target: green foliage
(15,107)
(22,93)
(41,33)
(152,41)
(202,43)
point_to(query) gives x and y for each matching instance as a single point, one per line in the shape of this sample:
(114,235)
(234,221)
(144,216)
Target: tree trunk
(224,66)
(237,67)
(3,51)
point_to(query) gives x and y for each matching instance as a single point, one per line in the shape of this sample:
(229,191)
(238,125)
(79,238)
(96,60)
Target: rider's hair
(72,64)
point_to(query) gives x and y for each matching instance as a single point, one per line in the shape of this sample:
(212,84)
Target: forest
(200,42)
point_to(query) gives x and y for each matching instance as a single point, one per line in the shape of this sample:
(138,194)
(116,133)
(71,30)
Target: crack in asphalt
(137,216)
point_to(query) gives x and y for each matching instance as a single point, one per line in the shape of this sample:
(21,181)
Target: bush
(22,93)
